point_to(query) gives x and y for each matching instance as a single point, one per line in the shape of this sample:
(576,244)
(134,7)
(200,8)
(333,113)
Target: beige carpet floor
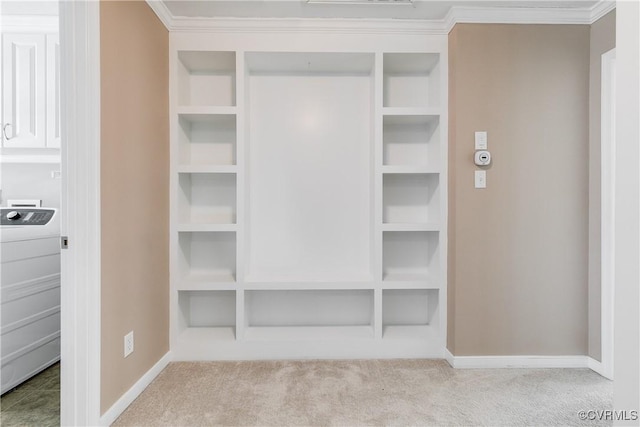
(365,392)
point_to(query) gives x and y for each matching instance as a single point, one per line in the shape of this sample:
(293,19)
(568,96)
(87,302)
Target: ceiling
(372,9)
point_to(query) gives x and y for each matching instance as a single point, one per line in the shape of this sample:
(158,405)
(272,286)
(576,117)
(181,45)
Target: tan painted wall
(603,39)
(518,249)
(134,192)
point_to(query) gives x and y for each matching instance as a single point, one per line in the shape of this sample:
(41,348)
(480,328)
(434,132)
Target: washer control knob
(13,215)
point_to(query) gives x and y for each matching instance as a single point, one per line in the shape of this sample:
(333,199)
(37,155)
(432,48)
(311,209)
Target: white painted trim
(450,358)
(80,212)
(30,158)
(596,367)
(457,14)
(29,24)
(489,362)
(601,8)
(161,11)
(607,209)
(307,25)
(130,395)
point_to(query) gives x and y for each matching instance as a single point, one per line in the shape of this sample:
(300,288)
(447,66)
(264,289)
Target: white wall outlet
(481,140)
(128,344)
(481,179)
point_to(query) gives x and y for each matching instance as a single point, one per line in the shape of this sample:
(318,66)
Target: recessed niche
(410,255)
(206,78)
(207,256)
(410,198)
(207,139)
(411,141)
(207,198)
(411,79)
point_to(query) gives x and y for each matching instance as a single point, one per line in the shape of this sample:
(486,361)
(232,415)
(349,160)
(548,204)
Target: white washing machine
(29,293)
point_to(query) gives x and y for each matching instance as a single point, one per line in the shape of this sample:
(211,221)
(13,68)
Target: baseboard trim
(495,362)
(123,403)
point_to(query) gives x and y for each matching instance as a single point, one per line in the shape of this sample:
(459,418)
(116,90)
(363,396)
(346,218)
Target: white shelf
(205,113)
(410,198)
(425,226)
(411,141)
(411,79)
(426,333)
(206,139)
(309,333)
(207,169)
(209,310)
(409,313)
(309,308)
(410,169)
(333,285)
(208,282)
(207,335)
(307,207)
(206,198)
(411,282)
(207,227)
(206,78)
(207,256)
(423,113)
(410,255)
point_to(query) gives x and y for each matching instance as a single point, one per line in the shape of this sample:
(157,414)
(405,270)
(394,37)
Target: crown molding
(29,24)
(162,11)
(307,25)
(456,15)
(601,8)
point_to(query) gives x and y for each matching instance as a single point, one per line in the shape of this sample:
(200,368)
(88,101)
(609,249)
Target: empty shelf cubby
(207,256)
(206,78)
(411,198)
(409,313)
(207,198)
(411,80)
(207,139)
(411,140)
(209,314)
(410,256)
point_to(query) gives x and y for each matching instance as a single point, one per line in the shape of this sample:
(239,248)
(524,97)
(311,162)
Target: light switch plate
(481,179)
(481,140)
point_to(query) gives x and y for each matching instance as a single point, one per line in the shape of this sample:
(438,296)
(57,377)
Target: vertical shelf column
(379,155)
(241,121)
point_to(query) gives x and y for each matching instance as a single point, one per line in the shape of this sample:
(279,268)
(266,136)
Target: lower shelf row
(308,314)
(406,256)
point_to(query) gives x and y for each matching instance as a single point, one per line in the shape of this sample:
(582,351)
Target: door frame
(80,212)
(607,209)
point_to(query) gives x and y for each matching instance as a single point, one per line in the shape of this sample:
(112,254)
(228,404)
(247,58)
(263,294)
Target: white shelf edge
(305,286)
(206,110)
(194,228)
(411,111)
(207,169)
(208,334)
(308,333)
(212,281)
(410,332)
(427,226)
(203,285)
(408,169)
(397,285)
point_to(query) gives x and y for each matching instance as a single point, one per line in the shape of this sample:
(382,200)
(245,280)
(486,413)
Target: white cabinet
(308,197)
(30,91)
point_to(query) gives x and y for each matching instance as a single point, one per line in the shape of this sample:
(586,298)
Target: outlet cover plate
(128,344)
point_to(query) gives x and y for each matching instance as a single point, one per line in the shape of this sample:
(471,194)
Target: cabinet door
(53,91)
(23,82)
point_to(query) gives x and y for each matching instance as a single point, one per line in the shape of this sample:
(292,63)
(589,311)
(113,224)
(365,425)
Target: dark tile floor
(35,402)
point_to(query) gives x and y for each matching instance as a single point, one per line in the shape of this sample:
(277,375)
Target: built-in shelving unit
(308,198)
